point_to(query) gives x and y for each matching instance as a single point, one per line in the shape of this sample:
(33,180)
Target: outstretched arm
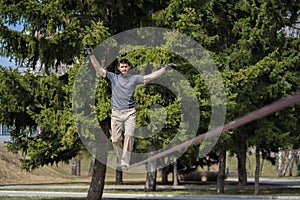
(158,73)
(95,63)
(97,66)
(154,75)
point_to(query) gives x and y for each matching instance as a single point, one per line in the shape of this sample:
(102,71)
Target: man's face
(123,68)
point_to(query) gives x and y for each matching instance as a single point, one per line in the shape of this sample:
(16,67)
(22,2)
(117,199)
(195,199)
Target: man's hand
(89,49)
(170,66)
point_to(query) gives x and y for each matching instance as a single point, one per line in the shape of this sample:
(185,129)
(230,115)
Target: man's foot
(124,167)
(119,168)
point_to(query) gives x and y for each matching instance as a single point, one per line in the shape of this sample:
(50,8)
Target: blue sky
(5,61)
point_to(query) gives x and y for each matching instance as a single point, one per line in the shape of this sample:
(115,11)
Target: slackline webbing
(257,114)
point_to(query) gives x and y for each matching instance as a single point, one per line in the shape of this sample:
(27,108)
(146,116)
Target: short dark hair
(124,61)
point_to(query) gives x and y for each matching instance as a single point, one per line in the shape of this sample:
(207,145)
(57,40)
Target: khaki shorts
(122,120)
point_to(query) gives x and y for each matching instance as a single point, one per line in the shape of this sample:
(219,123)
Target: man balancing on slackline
(123,112)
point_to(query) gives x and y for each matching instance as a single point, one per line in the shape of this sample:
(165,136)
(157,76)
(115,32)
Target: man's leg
(130,124)
(127,149)
(116,134)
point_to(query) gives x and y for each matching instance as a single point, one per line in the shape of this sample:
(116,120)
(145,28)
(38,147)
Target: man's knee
(117,143)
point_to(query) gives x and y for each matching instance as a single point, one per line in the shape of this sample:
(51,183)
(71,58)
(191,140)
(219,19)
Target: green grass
(268,170)
(230,189)
(63,170)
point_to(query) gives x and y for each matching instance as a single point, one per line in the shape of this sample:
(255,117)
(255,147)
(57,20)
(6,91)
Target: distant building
(4,134)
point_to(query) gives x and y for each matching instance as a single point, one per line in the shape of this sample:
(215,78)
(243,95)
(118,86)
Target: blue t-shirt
(123,89)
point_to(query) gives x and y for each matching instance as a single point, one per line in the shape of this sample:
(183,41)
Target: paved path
(16,190)
(272,181)
(140,196)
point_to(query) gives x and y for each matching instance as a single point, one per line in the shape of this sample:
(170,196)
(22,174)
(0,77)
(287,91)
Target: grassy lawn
(208,189)
(11,173)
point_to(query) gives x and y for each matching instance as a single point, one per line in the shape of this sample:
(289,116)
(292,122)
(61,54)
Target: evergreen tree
(241,36)
(255,45)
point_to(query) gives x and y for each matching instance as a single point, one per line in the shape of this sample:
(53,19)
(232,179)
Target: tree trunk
(74,167)
(294,157)
(119,176)
(151,179)
(257,170)
(175,173)
(291,169)
(242,173)
(97,183)
(289,161)
(95,191)
(150,184)
(261,167)
(78,163)
(222,169)
(249,166)
(280,163)
(92,164)
(164,175)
